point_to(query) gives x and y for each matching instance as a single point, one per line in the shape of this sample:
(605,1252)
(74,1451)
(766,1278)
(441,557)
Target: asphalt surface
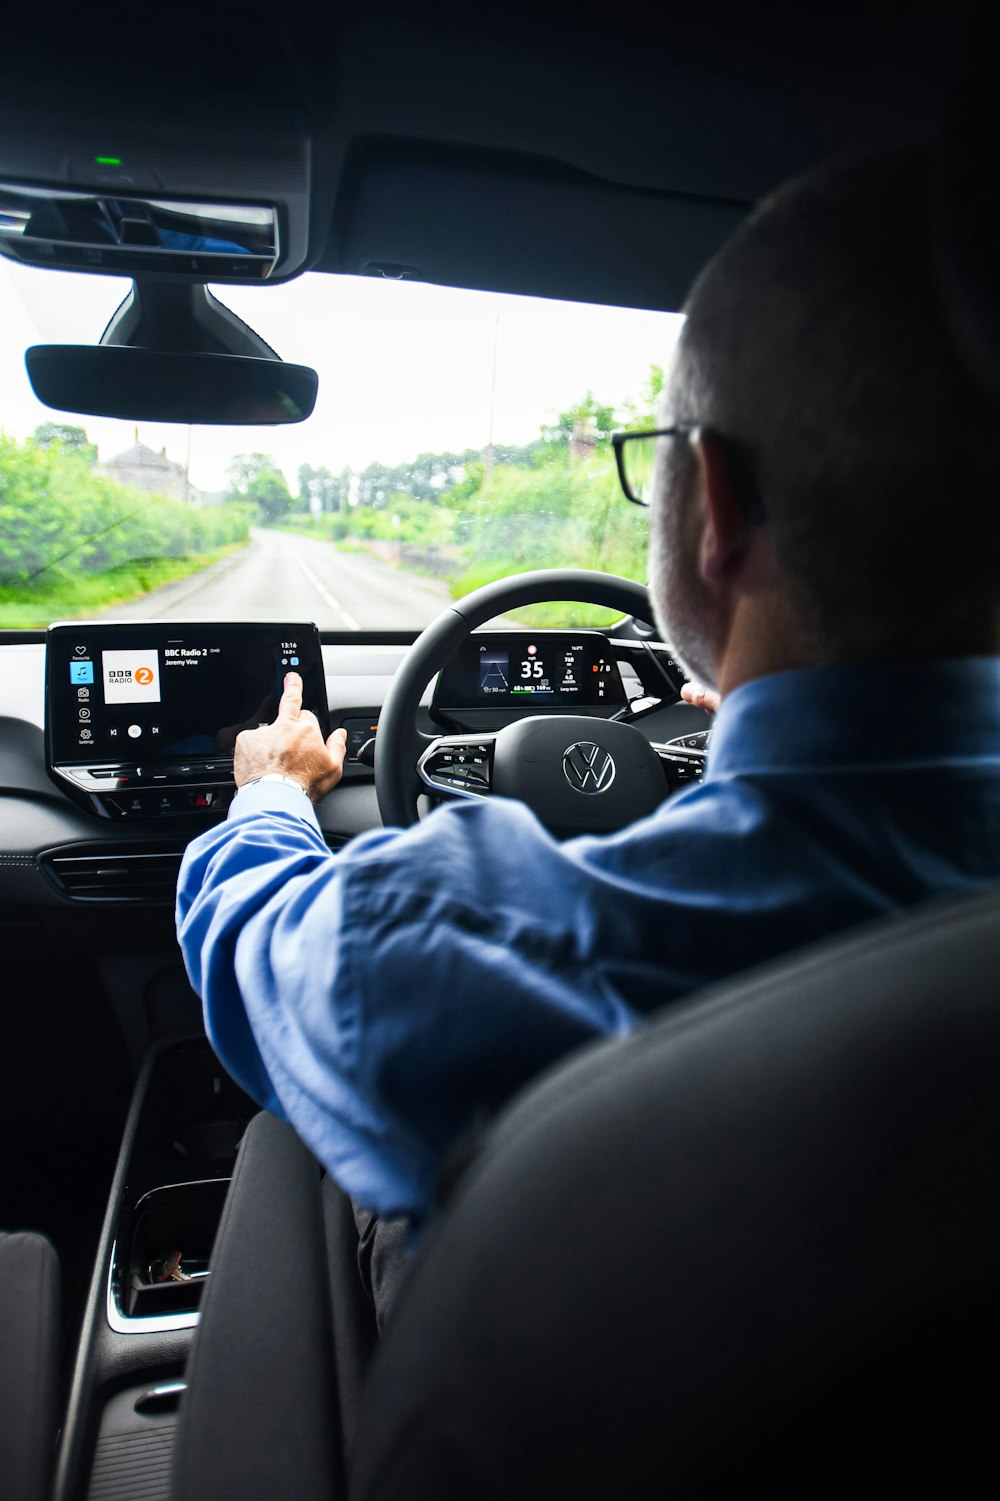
(281,576)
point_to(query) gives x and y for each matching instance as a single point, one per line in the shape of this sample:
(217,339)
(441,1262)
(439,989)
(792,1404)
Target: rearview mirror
(150,385)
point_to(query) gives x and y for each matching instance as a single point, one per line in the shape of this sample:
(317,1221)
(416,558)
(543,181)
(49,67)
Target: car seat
(751,1247)
(29,1364)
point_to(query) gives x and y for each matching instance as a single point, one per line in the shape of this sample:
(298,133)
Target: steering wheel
(578,773)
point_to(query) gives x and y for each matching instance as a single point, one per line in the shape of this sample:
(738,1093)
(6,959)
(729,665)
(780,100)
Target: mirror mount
(181,318)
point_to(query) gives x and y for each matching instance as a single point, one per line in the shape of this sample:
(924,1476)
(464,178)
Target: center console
(152,1267)
(141,720)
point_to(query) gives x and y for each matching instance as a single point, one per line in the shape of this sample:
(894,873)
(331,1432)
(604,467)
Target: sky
(404,367)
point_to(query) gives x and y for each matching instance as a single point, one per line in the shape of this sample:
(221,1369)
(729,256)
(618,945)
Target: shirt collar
(842,714)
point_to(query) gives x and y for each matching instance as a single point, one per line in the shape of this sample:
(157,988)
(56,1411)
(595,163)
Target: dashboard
(64,847)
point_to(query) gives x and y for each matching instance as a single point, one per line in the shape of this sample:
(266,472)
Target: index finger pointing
(290,706)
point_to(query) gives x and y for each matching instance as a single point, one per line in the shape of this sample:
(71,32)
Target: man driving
(820,441)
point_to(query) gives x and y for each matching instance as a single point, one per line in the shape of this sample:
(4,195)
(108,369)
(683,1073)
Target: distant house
(148,470)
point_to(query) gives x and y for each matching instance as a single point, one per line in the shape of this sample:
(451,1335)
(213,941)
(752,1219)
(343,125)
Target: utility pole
(488,469)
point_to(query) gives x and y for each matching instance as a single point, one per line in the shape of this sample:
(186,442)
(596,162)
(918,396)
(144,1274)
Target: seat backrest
(259,1419)
(751,1248)
(29,1364)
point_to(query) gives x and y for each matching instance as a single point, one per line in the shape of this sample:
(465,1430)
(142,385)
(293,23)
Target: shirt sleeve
(387,998)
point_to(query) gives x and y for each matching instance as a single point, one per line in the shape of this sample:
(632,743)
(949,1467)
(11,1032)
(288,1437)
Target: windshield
(459,437)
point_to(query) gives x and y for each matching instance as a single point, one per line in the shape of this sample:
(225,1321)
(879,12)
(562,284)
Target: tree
(375,485)
(585,426)
(255,477)
(70,439)
(245,469)
(332,491)
(471,485)
(643,411)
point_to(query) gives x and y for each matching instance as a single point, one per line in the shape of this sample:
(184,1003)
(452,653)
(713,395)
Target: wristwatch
(273,776)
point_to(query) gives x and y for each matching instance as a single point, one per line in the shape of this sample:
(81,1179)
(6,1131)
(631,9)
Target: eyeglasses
(635,455)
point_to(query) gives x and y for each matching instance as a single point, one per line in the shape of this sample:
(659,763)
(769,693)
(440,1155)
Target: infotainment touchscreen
(163,704)
(573,670)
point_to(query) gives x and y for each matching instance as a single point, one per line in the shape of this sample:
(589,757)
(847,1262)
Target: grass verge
(67,596)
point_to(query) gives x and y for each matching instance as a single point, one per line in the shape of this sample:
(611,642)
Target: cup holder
(163,1261)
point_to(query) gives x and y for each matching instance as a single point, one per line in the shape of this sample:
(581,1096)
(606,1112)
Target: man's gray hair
(816,344)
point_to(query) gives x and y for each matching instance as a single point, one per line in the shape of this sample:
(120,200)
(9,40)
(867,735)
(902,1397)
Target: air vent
(138,873)
(135,873)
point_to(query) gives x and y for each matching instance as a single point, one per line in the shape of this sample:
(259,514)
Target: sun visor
(517,225)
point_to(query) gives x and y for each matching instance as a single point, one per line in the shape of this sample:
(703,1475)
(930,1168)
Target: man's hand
(292,745)
(701,698)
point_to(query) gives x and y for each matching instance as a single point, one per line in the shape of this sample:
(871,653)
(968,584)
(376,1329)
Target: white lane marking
(325,595)
(173,595)
(363,566)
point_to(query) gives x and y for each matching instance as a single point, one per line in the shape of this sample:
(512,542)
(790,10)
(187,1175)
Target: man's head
(818,370)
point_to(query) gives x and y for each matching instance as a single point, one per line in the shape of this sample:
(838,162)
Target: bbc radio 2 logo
(142,676)
(131,677)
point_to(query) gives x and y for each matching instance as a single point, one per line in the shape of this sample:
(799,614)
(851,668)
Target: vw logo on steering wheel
(588,768)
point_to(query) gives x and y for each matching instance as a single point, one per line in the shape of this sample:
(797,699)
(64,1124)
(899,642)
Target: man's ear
(724,534)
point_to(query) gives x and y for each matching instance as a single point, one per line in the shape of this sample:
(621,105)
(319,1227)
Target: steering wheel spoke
(458,765)
(683,765)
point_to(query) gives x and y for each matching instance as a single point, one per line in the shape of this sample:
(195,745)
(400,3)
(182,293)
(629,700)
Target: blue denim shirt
(382,998)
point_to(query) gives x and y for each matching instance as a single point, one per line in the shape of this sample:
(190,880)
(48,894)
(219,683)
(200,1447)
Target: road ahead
(281,576)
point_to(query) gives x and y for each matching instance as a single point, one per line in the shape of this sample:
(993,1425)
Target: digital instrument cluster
(574,670)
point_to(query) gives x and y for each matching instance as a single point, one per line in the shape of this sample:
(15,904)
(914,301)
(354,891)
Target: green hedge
(59,520)
(561,514)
